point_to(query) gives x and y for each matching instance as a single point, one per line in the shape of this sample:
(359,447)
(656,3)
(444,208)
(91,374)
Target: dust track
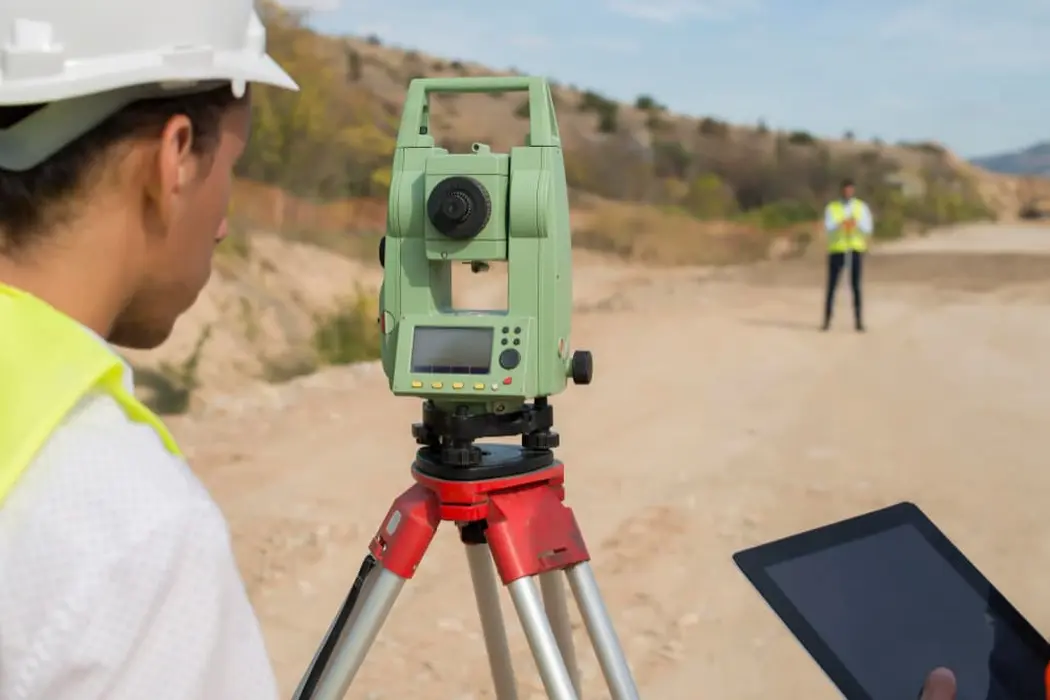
(719,418)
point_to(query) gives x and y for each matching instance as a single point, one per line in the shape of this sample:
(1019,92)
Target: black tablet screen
(892,608)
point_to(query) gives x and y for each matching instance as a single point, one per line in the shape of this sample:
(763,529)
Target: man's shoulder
(111,539)
(102,477)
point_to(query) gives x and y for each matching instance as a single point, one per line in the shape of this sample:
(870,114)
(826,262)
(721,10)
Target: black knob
(382,252)
(459,207)
(582,367)
(456,208)
(509,358)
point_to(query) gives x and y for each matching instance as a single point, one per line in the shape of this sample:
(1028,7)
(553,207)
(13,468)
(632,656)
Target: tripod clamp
(448,438)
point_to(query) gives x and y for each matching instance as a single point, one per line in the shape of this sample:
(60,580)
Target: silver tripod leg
(544,646)
(557,605)
(486,592)
(347,644)
(607,648)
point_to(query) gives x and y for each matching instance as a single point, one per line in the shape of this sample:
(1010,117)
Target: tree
(646,103)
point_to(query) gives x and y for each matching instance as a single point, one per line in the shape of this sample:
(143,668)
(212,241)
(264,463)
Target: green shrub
(169,388)
(801,138)
(781,214)
(349,333)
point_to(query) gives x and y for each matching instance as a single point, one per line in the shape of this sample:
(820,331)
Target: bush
(708,197)
(170,387)
(801,138)
(591,101)
(353,65)
(608,120)
(782,214)
(647,103)
(929,147)
(713,127)
(349,333)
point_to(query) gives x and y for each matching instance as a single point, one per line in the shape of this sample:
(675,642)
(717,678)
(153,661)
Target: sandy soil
(719,418)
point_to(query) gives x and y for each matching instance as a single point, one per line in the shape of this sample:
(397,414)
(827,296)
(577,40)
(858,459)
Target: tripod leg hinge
(407,531)
(530,531)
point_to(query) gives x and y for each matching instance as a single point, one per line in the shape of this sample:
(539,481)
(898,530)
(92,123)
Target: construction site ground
(719,418)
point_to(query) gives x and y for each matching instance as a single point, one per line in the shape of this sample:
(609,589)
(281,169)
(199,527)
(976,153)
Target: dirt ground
(719,418)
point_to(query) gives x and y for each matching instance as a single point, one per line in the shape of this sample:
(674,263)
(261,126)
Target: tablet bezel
(754,561)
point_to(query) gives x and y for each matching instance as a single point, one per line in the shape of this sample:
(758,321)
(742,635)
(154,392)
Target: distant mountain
(1034,160)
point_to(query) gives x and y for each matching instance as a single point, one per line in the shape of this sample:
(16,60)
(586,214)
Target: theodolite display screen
(450,350)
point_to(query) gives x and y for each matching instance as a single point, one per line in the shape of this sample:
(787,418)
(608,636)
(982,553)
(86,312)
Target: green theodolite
(477,372)
(478,367)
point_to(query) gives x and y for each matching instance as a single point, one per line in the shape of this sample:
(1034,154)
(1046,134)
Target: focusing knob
(456,208)
(459,207)
(582,367)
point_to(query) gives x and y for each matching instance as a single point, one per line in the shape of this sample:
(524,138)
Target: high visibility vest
(840,241)
(48,363)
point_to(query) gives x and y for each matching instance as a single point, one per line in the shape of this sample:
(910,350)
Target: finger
(939,685)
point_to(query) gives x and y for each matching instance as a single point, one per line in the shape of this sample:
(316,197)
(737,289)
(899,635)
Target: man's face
(193,195)
(847,192)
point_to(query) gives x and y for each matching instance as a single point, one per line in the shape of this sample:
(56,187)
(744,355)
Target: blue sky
(974,74)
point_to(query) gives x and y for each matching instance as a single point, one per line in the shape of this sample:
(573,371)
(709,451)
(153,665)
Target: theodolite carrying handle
(414,130)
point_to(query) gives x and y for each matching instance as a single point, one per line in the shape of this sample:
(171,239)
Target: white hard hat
(87,59)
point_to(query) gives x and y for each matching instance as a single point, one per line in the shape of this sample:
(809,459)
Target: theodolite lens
(459,207)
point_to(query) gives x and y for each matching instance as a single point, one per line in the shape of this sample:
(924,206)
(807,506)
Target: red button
(506,380)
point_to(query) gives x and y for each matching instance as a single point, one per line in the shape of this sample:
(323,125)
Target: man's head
(120,125)
(847,189)
(144,195)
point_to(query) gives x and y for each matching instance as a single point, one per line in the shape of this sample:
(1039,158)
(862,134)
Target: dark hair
(30,201)
(846,183)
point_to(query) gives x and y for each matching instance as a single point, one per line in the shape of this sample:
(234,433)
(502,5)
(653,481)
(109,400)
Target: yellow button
(479,387)
(436,385)
(457,385)
(417,385)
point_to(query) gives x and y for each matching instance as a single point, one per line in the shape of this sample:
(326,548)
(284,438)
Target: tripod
(506,501)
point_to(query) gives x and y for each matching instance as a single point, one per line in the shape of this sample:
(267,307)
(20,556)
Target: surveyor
(848,224)
(120,124)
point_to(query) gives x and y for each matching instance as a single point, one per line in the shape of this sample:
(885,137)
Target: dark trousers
(836,261)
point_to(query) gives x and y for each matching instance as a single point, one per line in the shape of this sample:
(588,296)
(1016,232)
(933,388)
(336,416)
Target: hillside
(334,140)
(1034,160)
(294,285)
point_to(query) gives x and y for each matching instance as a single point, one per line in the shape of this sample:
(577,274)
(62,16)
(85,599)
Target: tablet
(881,599)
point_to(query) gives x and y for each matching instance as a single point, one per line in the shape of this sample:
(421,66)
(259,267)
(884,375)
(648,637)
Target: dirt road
(719,418)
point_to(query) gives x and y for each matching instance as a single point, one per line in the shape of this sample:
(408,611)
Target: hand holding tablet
(886,605)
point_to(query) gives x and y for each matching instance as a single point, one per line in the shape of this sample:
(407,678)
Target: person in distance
(848,224)
(120,124)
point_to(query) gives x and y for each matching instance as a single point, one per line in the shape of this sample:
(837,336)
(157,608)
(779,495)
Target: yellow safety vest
(843,241)
(48,363)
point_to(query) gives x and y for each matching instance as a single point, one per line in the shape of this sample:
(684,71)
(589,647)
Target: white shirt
(117,576)
(865,222)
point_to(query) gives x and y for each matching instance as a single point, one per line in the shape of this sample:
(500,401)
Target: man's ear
(175,165)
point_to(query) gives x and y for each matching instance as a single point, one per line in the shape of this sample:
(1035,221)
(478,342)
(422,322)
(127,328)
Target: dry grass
(651,235)
(637,232)
(350,227)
